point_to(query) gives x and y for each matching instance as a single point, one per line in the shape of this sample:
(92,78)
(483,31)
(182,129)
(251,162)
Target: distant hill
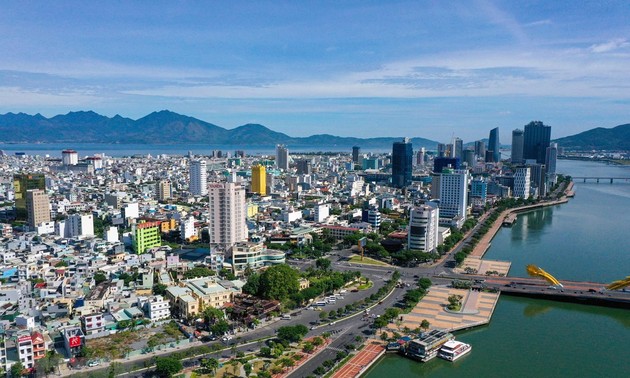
(615,139)
(163,127)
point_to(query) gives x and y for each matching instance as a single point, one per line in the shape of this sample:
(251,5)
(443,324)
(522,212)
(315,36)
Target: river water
(586,239)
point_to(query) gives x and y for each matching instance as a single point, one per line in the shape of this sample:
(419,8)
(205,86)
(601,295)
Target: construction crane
(620,284)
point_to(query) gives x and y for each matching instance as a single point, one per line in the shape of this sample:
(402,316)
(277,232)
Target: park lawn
(356,259)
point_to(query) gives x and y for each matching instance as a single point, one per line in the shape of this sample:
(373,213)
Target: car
(592,290)
(313,327)
(355,290)
(93,363)
(331,323)
(416,276)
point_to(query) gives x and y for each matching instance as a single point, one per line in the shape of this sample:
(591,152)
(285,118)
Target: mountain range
(163,127)
(166,127)
(613,139)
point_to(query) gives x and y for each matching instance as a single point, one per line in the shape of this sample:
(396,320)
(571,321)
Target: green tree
(323,264)
(253,284)
(17,369)
(308,347)
(199,271)
(323,315)
(210,365)
(248,369)
(99,277)
(425,324)
(292,334)
(278,282)
(159,289)
(167,366)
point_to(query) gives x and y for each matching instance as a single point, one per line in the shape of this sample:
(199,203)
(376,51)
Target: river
(583,240)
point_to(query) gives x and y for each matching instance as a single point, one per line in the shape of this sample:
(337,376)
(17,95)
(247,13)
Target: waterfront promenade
(361,361)
(477,309)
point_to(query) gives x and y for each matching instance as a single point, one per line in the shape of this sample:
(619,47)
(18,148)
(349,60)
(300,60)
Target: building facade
(227,213)
(537,137)
(146,235)
(494,145)
(282,157)
(402,163)
(37,207)
(522,183)
(517,146)
(198,178)
(259,179)
(423,228)
(453,193)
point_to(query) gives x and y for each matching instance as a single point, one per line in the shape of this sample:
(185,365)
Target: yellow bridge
(620,284)
(535,271)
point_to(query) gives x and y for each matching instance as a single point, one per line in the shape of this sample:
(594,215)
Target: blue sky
(353,68)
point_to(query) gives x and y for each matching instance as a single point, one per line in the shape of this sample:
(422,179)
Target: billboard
(74,341)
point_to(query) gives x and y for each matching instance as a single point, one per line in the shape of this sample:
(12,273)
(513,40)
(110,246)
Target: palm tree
(210,364)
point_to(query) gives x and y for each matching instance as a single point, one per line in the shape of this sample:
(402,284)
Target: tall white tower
(198,178)
(453,193)
(423,228)
(228,212)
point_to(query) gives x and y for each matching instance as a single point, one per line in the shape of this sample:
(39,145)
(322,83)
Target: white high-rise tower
(228,212)
(198,178)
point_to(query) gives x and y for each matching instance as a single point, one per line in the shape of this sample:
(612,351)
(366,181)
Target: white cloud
(611,45)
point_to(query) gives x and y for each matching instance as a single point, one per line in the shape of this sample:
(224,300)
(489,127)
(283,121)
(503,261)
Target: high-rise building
(478,191)
(445,162)
(522,182)
(145,235)
(282,157)
(402,163)
(163,190)
(420,157)
(442,150)
(480,149)
(37,207)
(551,158)
(453,193)
(537,178)
(458,149)
(198,178)
(21,184)
(69,157)
(469,157)
(536,140)
(187,229)
(494,145)
(80,225)
(304,167)
(228,212)
(517,146)
(356,151)
(423,228)
(259,179)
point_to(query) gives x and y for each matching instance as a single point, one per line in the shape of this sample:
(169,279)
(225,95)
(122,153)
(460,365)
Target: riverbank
(482,247)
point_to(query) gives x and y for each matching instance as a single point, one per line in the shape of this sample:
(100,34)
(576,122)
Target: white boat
(452,350)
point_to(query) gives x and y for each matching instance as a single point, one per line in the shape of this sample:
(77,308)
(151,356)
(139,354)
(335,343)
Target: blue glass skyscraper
(402,163)
(494,145)
(536,140)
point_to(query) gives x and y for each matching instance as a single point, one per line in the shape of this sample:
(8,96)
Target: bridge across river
(572,291)
(598,179)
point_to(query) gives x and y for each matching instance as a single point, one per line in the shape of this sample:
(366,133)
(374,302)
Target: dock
(509,220)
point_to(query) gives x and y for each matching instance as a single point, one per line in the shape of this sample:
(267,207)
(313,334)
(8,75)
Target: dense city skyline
(356,68)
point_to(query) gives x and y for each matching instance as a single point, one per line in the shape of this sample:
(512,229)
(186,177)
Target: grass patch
(366,260)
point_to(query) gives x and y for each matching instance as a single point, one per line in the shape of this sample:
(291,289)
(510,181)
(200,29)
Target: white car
(93,363)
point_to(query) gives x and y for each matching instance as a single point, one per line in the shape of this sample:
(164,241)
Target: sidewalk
(361,361)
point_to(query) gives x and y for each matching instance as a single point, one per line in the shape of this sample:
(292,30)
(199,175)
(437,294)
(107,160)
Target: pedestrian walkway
(477,310)
(361,361)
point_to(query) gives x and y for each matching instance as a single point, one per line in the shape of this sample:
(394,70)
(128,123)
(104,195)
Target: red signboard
(75,341)
(23,339)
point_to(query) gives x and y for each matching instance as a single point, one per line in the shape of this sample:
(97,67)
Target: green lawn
(366,260)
